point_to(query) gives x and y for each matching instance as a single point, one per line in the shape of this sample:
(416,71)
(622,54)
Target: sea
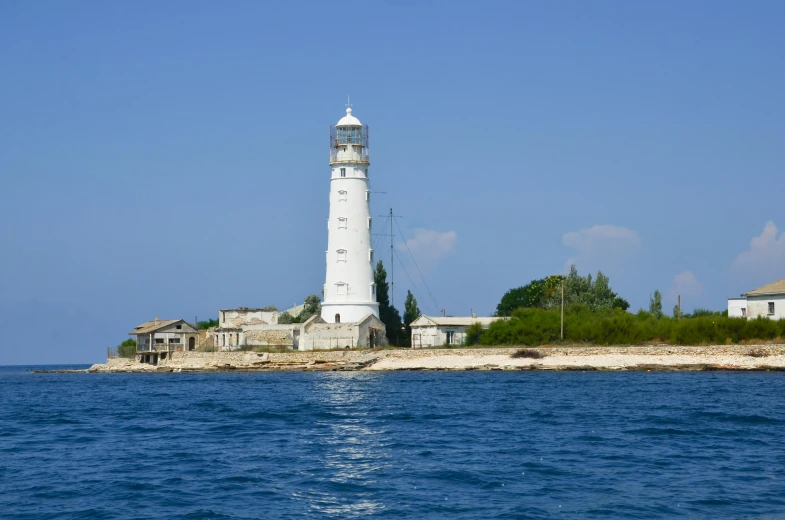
(424,445)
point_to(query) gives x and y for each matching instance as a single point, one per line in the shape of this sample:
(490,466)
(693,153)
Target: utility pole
(562,310)
(678,314)
(392,262)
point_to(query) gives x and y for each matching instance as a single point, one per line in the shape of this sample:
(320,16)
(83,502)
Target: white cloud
(766,256)
(600,245)
(429,246)
(684,284)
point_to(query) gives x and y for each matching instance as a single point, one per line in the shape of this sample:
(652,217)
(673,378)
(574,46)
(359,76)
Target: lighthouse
(349,289)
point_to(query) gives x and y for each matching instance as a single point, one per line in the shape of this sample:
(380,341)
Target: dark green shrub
(474,334)
(528,353)
(127,349)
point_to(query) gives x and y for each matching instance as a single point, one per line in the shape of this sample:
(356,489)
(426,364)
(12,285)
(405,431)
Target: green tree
(286,318)
(311,307)
(655,305)
(208,324)
(127,349)
(593,293)
(544,294)
(388,314)
(410,312)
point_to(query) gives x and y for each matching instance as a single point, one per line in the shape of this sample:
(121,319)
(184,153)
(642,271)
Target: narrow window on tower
(343,172)
(370,255)
(342,196)
(373,292)
(341,222)
(368,195)
(340,289)
(369,222)
(342,255)
(366,173)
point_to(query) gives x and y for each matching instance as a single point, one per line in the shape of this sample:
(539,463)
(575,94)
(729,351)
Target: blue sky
(170,158)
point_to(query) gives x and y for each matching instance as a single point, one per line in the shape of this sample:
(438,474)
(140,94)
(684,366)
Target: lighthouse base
(334,312)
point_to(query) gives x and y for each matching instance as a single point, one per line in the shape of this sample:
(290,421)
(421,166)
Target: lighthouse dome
(349,119)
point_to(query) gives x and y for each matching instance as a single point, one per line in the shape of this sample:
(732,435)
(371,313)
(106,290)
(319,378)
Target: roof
(294,311)
(151,326)
(349,119)
(452,321)
(248,309)
(777,287)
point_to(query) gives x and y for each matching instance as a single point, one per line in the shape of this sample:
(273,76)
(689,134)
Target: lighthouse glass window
(343,172)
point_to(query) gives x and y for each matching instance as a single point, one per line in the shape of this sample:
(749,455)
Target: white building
(435,331)
(768,301)
(349,289)
(737,307)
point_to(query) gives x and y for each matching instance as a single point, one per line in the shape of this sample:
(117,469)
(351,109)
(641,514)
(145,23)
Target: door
(191,343)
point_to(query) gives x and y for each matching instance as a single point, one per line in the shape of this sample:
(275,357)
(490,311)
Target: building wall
(759,306)
(736,306)
(436,336)
(234,318)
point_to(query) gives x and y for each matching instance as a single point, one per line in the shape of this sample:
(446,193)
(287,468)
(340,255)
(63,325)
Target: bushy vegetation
(546,293)
(312,306)
(616,327)
(528,353)
(207,324)
(127,349)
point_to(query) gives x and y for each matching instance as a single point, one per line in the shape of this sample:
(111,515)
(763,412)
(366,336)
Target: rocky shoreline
(636,358)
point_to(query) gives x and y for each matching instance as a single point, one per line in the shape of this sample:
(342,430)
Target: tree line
(595,314)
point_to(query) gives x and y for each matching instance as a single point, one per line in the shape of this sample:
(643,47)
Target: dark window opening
(337,318)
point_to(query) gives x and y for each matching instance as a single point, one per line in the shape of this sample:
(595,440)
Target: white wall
(736,307)
(759,306)
(423,337)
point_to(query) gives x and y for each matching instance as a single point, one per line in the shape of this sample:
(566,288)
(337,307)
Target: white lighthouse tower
(349,289)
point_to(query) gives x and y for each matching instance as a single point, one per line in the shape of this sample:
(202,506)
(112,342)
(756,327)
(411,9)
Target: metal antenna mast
(392,262)
(392,253)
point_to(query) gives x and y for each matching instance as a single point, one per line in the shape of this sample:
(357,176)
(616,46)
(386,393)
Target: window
(343,172)
(342,196)
(179,327)
(373,292)
(368,195)
(337,318)
(341,289)
(174,340)
(450,336)
(342,255)
(771,307)
(366,173)
(370,255)
(341,222)
(743,312)
(159,340)
(369,222)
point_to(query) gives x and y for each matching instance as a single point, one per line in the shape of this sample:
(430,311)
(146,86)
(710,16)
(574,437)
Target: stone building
(155,339)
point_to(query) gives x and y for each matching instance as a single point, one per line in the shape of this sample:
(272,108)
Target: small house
(155,339)
(767,301)
(435,331)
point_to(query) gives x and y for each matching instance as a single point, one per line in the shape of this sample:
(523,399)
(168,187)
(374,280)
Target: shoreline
(613,358)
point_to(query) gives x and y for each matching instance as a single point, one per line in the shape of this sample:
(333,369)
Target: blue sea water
(392,445)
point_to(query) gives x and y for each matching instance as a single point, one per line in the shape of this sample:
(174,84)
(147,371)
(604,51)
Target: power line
(417,267)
